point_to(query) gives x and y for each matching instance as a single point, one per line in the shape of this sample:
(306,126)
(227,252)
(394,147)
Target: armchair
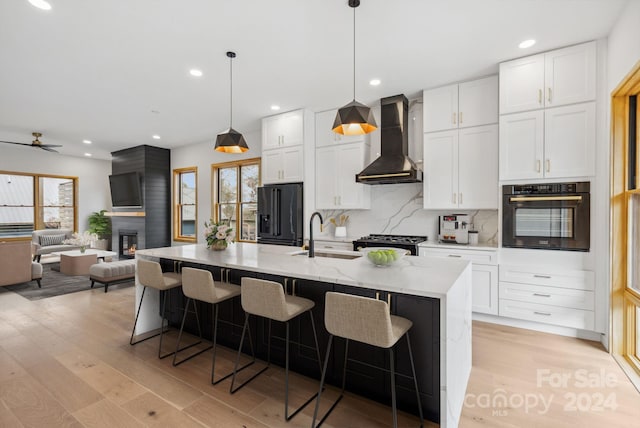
(16,266)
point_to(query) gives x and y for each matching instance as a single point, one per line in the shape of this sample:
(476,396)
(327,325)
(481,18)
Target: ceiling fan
(36,143)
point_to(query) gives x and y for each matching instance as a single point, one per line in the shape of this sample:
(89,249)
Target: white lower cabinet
(552,296)
(484,293)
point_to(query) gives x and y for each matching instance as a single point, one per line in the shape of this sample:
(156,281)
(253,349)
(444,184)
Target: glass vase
(219,245)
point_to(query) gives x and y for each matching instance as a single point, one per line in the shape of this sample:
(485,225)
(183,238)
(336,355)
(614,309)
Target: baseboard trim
(545,328)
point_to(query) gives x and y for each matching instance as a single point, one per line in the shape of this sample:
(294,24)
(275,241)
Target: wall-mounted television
(125,190)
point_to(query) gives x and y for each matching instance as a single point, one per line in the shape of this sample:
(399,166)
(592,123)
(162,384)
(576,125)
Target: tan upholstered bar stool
(150,275)
(368,321)
(198,284)
(267,299)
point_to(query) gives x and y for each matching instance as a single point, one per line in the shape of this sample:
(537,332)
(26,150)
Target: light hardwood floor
(66,361)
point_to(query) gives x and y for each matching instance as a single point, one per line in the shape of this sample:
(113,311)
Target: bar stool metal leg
(288,417)
(178,349)
(135,323)
(235,367)
(393,388)
(215,341)
(322,378)
(415,380)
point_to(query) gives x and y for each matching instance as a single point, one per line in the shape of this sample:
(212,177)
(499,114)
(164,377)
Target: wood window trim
(214,188)
(624,300)
(177,205)
(36,199)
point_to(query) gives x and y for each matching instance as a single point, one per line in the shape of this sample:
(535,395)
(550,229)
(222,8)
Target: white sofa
(47,241)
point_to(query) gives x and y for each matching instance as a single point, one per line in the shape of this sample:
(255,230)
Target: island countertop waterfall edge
(443,279)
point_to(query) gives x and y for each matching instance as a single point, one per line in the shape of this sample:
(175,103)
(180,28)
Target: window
(235,187)
(186,204)
(625,219)
(31,202)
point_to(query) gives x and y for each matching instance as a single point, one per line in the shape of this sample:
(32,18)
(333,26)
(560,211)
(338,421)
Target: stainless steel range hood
(393,165)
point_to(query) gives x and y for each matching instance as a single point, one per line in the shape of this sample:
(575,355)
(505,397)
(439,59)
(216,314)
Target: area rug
(55,283)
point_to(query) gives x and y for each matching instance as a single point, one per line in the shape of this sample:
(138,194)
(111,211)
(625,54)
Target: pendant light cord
(231,92)
(354,54)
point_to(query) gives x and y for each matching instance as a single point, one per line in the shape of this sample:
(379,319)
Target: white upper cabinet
(461,168)
(283,165)
(336,169)
(324,133)
(286,129)
(461,105)
(551,143)
(556,78)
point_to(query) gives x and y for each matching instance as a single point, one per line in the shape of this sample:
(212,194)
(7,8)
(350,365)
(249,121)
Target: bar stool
(368,321)
(268,300)
(198,284)
(150,275)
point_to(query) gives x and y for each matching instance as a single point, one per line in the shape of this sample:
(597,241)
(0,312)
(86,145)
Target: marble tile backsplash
(397,209)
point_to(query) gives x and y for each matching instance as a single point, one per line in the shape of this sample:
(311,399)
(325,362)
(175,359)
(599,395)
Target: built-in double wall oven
(554,216)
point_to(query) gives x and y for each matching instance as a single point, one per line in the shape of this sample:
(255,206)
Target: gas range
(406,242)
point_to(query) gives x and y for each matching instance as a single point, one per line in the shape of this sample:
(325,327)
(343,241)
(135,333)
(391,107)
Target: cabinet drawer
(567,317)
(485,257)
(565,278)
(553,296)
(333,245)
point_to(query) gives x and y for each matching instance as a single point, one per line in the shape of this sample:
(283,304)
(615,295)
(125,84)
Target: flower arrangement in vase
(83,240)
(218,235)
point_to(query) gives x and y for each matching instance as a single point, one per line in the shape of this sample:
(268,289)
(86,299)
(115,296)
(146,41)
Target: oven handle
(544,198)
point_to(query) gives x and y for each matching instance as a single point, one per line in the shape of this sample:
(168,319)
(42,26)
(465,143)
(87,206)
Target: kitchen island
(433,293)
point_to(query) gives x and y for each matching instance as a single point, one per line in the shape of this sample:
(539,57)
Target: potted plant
(100,224)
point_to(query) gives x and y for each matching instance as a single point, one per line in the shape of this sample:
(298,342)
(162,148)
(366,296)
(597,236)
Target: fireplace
(127,243)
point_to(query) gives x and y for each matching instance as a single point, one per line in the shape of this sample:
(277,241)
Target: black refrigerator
(280,214)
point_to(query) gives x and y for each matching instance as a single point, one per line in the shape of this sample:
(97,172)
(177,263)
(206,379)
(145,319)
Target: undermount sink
(329,255)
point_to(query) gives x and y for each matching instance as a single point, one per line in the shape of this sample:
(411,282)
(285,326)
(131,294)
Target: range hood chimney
(393,166)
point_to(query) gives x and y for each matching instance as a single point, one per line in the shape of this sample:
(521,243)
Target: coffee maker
(454,228)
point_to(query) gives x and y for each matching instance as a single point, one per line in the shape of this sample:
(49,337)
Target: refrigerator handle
(276,215)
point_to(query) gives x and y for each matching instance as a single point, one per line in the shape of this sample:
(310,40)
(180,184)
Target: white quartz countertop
(420,276)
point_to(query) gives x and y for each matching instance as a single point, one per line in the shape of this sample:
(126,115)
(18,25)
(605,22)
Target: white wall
(93,175)
(203,156)
(624,44)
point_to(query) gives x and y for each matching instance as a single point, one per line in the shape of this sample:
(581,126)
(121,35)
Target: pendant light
(355,118)
(231,141)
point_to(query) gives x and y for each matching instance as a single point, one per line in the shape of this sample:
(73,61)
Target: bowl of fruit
(383,256)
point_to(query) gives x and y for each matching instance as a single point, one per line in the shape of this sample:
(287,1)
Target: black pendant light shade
(355,118)
(231,141)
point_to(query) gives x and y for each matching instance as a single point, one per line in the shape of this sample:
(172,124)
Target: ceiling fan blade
(12,142)
(48,149)
(49,145)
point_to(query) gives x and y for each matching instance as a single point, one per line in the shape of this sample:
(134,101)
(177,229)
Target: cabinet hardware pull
(548,165)
(453,118)
(539,96)
(541,295)
(389,301)
(454,198)
(460,198)
(339,200)
(546,314)
(455,255)
(549,94)
(293,287)
(286,285)
(377,295)
(537,165)
(542,276)
(545,198)
(460,117)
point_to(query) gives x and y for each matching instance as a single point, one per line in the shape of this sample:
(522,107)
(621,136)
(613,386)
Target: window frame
(214,190)
(38,206)
(177,204)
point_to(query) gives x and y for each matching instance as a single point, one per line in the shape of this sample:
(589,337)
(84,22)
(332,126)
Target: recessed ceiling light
(88,155)
(40,4)
(155,137)
(195,72)
(275,107)
(527,43)
(87,141)
(374,82)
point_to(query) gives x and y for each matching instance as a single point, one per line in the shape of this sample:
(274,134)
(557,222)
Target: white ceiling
(90,69)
